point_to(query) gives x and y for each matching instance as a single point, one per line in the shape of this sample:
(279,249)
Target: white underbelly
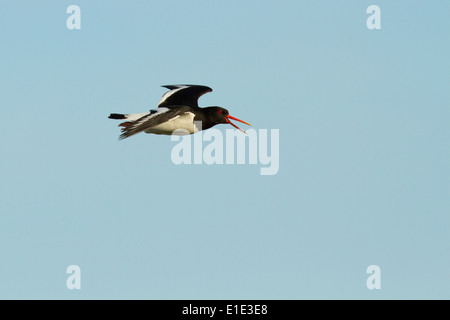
(180,125)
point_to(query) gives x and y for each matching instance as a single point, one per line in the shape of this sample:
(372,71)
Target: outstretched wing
(154,118)
(182,95)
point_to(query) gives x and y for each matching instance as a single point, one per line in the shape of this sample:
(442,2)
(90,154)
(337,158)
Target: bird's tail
(129,117)
(117,116)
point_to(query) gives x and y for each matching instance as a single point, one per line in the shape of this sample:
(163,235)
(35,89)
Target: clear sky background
(364,175)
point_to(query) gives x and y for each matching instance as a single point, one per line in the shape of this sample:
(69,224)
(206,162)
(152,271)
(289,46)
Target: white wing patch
(171,92)
(148,116)
(184,122)
(135,116)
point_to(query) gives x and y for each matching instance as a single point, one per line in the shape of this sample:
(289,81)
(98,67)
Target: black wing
(182,95)
(155,118)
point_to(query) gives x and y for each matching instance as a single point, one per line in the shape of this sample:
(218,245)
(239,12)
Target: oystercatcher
(178,109)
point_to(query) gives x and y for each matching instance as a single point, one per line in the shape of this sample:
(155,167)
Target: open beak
(227,118)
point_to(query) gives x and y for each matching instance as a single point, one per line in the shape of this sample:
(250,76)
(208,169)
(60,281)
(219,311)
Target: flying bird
(177,109)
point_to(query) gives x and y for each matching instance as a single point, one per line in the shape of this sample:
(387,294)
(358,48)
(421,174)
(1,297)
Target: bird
(177,113)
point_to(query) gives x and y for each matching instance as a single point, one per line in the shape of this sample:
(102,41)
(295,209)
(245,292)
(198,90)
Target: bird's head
(221,115)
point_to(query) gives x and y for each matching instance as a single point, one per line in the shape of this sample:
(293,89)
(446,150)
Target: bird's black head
(220,114)
(217,115)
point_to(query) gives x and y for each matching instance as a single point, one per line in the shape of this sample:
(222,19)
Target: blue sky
(364,151)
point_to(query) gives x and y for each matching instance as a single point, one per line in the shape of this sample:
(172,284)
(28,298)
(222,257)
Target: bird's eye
(220,111)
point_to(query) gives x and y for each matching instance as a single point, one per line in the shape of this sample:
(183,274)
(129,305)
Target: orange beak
(227,118)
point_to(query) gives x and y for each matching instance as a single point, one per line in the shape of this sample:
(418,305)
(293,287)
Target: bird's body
(179,125)
(177,113)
